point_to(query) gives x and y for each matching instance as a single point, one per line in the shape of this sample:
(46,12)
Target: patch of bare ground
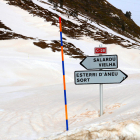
(3,26)
(68,48)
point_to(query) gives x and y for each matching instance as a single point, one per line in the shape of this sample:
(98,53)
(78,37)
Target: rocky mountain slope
(92,18)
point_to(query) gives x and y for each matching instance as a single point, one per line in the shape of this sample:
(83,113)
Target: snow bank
(125,130)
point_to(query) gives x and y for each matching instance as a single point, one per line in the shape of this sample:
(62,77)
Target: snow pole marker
(63,68)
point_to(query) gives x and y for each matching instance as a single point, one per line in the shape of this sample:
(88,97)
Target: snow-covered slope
(31,86)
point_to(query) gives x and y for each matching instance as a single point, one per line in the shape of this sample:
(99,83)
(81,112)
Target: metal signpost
(100,76)
(101,85)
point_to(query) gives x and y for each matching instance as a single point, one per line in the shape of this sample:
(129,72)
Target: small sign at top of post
(100,50)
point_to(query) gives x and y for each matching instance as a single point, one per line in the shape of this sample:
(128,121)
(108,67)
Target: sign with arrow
(99,77)
(100,62)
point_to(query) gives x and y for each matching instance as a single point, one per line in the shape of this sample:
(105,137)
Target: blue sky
(128,5)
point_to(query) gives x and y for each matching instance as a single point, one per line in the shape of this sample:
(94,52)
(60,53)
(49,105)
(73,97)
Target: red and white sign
(100,50)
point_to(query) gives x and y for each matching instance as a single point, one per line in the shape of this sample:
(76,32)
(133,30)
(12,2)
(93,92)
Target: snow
(31,88)
(114,15)
(22,22)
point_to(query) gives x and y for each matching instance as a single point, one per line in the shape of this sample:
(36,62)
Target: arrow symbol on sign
(99,77)
(100,62)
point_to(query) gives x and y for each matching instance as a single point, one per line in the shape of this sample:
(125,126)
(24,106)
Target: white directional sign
(100,62)
(99,77)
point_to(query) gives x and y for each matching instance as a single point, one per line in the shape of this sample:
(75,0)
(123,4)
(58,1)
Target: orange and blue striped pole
(63,68)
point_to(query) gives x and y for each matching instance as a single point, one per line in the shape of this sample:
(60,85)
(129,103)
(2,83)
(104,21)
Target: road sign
(100,50)
(99,77)
(100,62)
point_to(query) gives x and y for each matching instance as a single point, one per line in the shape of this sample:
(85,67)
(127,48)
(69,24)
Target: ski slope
(31,87)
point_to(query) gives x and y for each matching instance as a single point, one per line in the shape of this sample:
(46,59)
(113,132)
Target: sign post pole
(101,99)
(101,94)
